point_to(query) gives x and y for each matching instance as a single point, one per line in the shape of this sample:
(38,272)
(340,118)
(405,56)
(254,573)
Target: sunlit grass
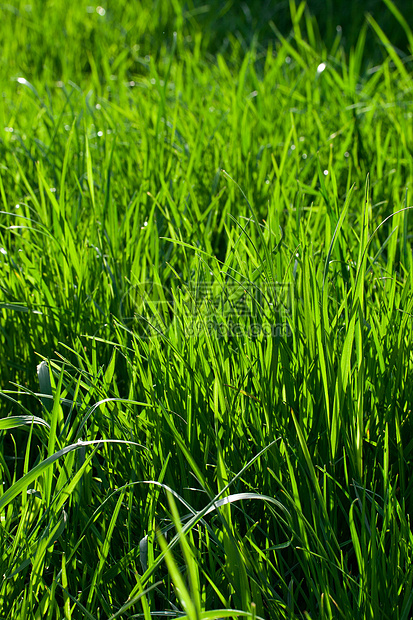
(205,295)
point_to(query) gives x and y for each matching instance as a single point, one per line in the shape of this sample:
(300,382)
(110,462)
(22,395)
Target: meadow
(206,293)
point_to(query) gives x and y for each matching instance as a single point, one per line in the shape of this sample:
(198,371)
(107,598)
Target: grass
(206,301)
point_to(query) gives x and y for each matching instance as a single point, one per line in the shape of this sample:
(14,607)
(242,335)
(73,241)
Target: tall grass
(206,301)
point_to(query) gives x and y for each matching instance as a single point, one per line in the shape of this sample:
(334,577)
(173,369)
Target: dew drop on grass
(3,251)
(100,11)
(325,172)
(321,67)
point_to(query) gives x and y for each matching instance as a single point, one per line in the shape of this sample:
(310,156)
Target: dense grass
(206,302)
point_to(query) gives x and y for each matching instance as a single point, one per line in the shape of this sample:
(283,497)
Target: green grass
(205,317)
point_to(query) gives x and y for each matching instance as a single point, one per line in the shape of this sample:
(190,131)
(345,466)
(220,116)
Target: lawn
(206,298)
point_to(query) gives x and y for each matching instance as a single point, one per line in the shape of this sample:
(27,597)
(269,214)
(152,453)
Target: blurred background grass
(93,35)
(253,18)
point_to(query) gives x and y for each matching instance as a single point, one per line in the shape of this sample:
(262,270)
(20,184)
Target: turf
(205,315)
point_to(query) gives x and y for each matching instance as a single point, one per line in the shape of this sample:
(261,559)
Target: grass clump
(206,301)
